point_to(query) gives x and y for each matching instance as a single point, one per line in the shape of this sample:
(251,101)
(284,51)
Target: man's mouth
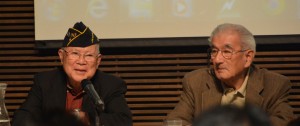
(220,69)
(81,71)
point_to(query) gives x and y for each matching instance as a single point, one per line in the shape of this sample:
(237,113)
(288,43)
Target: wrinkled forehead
(225,46)
(226,40)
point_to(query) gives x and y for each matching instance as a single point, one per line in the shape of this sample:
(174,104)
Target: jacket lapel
(212,96)
(61,91)
(254,87)
(55,97)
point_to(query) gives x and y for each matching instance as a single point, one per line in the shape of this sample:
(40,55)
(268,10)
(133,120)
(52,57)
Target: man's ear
(61,55)
(99,60)
(249,57)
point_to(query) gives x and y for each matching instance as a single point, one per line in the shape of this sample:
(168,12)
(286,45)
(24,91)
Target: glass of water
(173,122)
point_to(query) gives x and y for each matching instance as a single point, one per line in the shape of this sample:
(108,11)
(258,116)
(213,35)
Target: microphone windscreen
(88,87)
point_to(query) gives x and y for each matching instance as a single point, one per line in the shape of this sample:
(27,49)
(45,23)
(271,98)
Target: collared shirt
(74,103)
(235,97)
(74,99)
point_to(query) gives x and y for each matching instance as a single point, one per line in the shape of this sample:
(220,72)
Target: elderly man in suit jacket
(233,79)
(61,90)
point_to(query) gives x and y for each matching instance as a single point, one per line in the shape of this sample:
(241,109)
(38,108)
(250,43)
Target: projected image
(228,9)
(97,8)
(141,8)
(274,7)
(54,9)
(182,8)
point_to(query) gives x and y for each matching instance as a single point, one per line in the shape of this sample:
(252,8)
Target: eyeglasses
(76,55)
(226,53)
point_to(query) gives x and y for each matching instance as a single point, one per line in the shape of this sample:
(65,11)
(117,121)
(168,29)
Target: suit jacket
(202,91)
(48,94)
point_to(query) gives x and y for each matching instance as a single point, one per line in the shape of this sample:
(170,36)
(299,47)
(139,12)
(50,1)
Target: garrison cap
(80,36)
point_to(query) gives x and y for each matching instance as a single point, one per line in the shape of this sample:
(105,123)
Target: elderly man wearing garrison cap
(60,90)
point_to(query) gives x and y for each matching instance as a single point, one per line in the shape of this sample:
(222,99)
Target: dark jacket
(48,94)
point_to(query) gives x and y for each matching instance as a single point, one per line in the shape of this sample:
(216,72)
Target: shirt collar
(241,90)
(73,91)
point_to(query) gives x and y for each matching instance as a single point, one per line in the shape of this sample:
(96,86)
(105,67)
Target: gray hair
(247,39)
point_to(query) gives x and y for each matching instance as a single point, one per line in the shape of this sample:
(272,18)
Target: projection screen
(111,19)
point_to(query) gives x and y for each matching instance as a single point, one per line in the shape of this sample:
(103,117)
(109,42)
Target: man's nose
(219,57)
(81,59)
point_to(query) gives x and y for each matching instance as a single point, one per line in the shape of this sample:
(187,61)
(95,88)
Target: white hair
(247,39)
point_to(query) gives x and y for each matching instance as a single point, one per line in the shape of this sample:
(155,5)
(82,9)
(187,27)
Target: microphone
(89,88)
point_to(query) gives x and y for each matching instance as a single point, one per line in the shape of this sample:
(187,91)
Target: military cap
(80,36)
